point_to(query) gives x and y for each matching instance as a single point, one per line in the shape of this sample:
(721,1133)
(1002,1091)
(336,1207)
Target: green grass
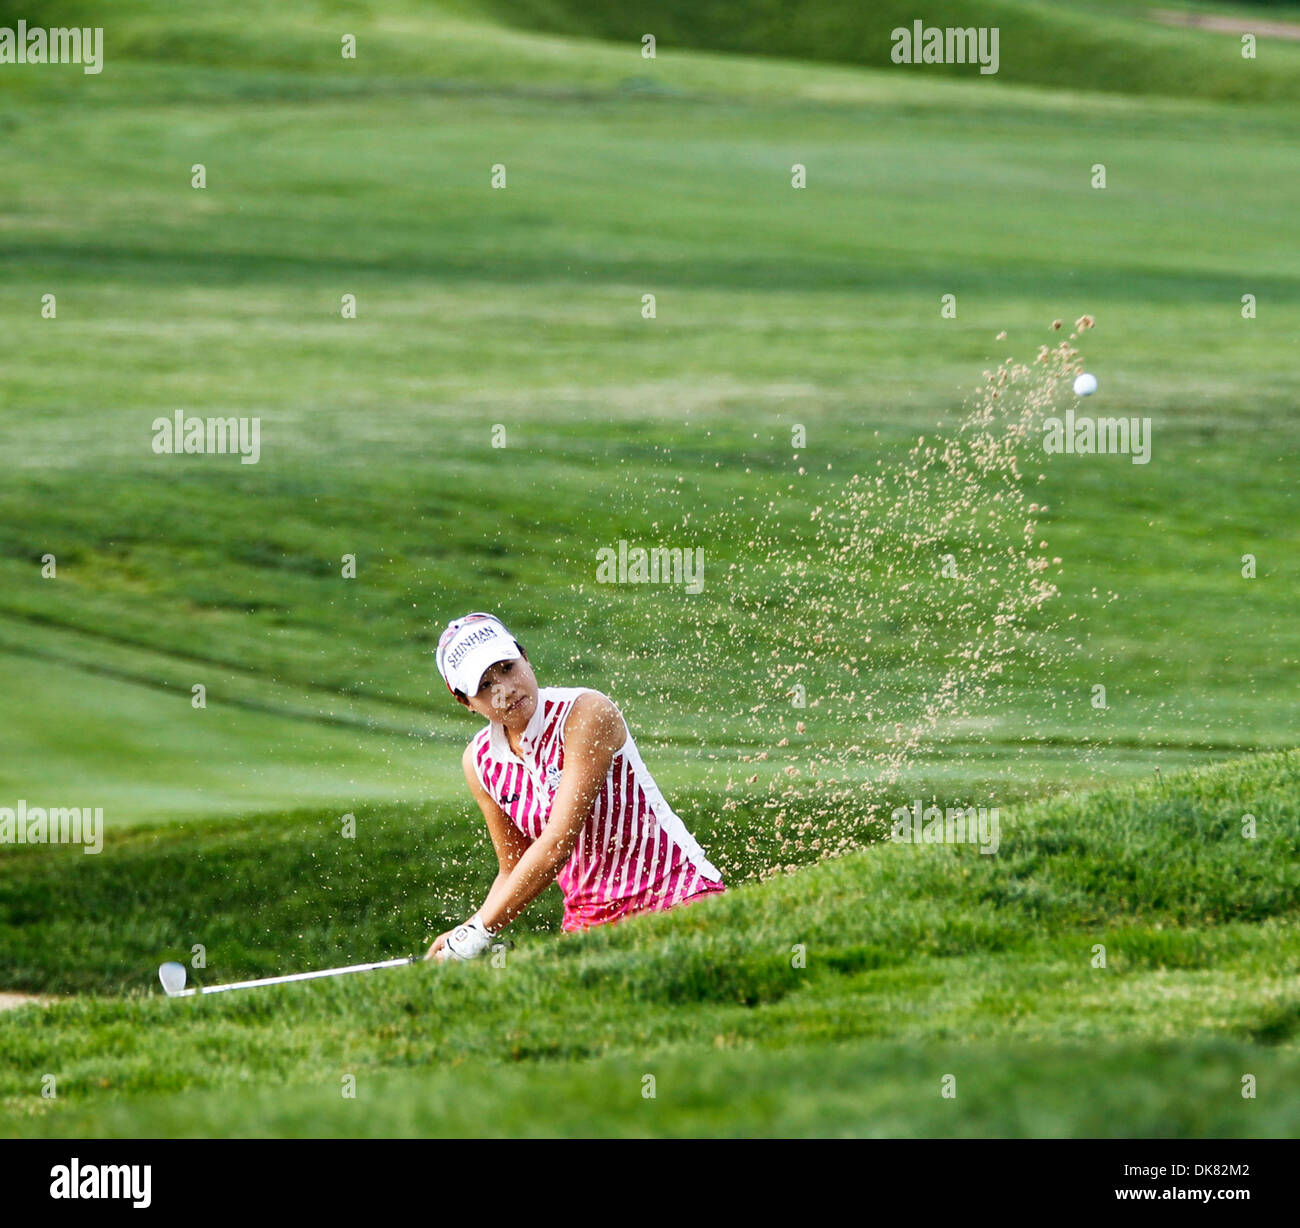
(1083,46)
(775,308)
(986,962)
(522,308)
(842,1091)
(1088,46)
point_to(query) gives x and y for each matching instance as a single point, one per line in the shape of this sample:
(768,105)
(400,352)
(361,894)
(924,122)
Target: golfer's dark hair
(465,698)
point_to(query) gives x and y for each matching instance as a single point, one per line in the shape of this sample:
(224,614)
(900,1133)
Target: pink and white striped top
(633,853)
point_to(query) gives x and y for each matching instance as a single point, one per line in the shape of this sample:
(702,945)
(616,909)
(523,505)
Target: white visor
(469,647)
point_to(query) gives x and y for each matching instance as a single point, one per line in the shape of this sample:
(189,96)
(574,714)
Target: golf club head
(172,976)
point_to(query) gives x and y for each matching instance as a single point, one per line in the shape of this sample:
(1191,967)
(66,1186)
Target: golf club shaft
(297,976)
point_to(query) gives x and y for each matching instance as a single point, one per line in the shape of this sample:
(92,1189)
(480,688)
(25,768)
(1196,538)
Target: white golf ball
(1085,385)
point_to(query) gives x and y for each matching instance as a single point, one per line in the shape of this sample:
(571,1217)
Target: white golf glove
(468,940)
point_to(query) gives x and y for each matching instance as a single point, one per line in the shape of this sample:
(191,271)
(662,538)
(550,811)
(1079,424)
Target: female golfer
(565,795)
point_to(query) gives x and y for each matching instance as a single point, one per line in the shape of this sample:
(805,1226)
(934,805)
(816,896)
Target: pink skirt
(618,910)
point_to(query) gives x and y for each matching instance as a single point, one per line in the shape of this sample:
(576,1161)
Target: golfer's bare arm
(593,732)
(508,841)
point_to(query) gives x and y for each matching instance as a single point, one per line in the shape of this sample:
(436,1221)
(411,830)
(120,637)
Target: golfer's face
(508,693)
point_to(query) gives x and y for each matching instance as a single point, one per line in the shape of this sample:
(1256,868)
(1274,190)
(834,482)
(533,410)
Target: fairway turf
(775,308)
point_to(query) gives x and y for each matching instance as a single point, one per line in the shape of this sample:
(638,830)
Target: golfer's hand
(437,949)
(467,941)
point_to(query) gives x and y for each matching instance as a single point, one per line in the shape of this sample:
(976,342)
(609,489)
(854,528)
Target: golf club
(172,976)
